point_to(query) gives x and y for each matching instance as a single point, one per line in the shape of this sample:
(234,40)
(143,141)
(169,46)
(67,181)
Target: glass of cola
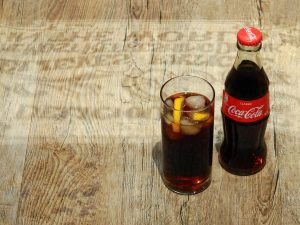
(187,124)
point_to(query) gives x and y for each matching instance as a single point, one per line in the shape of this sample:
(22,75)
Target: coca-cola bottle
(245,108)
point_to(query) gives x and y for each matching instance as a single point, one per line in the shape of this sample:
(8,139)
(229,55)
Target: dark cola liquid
(187,158)
(243,151)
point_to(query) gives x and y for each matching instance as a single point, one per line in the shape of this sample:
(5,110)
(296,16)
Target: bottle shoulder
(247,82)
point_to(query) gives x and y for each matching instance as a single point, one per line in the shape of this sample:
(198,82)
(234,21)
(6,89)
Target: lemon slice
(200,116)
(178,102)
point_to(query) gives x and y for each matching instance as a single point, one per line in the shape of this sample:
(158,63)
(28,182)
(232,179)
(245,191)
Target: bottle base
(241,172)
(186,186)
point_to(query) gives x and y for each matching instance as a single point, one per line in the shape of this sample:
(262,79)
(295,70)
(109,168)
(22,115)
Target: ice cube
(169,103)
(188,127)
(185,121)
(168,118)
(195,102)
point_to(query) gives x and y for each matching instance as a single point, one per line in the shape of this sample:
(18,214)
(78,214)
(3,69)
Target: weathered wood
(79,106)
(17,90)
(261,13)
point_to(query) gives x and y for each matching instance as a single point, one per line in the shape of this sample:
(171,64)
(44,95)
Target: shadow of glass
(157,157)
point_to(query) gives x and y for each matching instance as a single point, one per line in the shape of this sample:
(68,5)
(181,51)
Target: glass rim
(211,101)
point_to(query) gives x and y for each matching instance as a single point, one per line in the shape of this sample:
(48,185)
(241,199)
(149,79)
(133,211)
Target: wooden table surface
(79,110)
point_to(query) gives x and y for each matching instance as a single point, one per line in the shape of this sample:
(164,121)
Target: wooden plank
(23,13)
(261,13)
(284,13)
(154,10)
(86,10)
(150,10)
(17,82)
(7,214)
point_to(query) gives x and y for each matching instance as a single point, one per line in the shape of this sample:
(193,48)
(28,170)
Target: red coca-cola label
(245,111)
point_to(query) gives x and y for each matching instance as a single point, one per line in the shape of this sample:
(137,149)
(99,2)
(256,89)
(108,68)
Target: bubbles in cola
(245,108)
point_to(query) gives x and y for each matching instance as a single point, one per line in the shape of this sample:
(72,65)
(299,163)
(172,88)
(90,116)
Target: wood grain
(261,13)
(18,80)
(80,127)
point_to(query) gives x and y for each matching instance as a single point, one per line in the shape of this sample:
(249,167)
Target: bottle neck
(250,53)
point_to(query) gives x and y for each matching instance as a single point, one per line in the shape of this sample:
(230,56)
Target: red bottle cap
(249,36)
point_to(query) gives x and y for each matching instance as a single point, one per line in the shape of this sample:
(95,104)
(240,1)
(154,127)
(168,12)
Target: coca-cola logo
(251,113)
(245,110)
(250,34)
